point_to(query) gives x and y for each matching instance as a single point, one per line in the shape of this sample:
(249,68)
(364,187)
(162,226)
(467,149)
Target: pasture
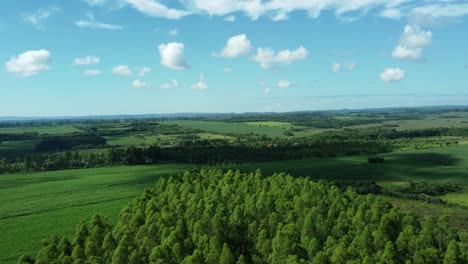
(51,130)
(230,128)
(35,205)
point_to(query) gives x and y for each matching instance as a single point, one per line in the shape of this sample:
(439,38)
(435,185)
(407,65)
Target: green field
(35,205)
(429,122)
(230,128)
(51,130)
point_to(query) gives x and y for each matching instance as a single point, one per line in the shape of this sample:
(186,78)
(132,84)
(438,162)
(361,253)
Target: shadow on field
(6,183)
(397,167)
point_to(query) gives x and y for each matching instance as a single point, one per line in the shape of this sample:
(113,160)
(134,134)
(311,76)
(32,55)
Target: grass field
(33,206)
(230,128)
(429,122)
(51,130)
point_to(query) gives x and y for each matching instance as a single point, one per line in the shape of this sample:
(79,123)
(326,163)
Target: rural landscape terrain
(56,174)
(233,132)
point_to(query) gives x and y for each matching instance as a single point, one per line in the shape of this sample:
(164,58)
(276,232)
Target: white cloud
(392,13)
(92,72)
(402,52)
(414,37)
(123,70)
(267,58)
(440,10)
(172,56)
(392,75)
(201,84)
(92,23)
(144,71)
(236,46)
(37,18)
(285,84)
(29,63)
(140,84)
(156,9)
(95,2)
(412,43)
(336,67)
(281,8)
(266,90)
(262,83)
(280,16)
(343,66)
(173,32)
(230,19)
(89,60)
(227,69)
(172,84)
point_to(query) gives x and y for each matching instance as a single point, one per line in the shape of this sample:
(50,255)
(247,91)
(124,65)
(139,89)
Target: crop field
(230,128)
(30,208)
(35,205)
(51,130)
(454,120)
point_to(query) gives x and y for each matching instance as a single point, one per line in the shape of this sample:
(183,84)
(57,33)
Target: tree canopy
(211,216)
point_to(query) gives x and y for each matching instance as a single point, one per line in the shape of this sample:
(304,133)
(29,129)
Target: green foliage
(210,216)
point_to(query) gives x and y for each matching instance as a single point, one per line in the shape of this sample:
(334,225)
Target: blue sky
(93,57)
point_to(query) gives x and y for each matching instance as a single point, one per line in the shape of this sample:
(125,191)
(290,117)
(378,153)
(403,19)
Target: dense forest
(211,216)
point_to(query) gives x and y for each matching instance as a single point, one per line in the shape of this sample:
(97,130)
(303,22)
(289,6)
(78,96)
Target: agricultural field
(30,209)
(52,180)
(231,128)
(51,130)
(35,205)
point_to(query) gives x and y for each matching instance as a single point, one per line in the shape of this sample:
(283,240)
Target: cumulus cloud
(285,84)
(144,71)
(172,84)
(414,37)
(201,84)
(38,18)
(230,19)
(156,9)
(91,22)
(267,58)
(172,56)
(412,43)
(122,70)
(266,90)
(402,52)
(343,66)
(92,72)
(236,46)
(173,32)
(392,74)
(140,84)
(89,60)
(29,63)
